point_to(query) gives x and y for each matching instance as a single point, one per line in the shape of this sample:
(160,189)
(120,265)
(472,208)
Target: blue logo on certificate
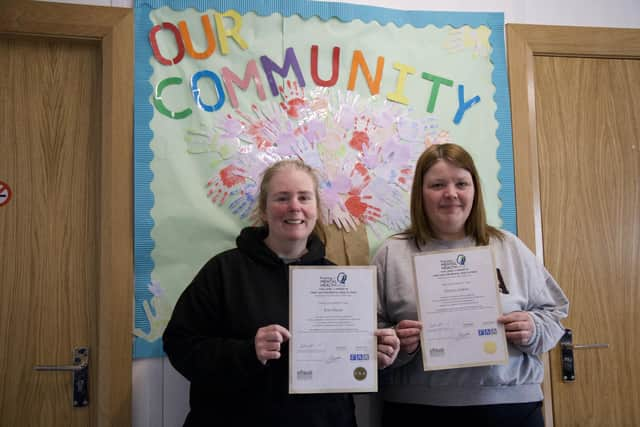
(358,356)
(342,278)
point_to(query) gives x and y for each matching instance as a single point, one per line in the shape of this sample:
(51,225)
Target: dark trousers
(504,415)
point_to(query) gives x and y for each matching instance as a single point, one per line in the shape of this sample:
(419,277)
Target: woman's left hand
(388,346)
(519,327)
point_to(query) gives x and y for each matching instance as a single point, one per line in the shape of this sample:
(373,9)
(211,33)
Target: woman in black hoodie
(228,332)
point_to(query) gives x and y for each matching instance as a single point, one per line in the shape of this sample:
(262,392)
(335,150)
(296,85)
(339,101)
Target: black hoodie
(210,340)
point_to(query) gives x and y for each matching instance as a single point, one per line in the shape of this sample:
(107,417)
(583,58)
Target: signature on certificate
(332,359)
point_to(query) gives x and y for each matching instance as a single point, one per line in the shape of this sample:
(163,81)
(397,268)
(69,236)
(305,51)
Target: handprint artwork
(157,310)
(364,151)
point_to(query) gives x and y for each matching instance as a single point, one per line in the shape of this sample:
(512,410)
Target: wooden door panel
(590,200)
(49,156)
(576,129)
(66,237)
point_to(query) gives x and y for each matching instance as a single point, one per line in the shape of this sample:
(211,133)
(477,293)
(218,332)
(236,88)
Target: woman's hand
(268,340)
(388,347)
(518,326)
(409,333)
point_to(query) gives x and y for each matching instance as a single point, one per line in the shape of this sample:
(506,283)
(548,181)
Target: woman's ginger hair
(476,225)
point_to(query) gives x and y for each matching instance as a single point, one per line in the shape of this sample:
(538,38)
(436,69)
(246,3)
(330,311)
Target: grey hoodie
(530,288)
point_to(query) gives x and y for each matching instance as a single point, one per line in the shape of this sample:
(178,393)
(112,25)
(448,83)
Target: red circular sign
(5,193)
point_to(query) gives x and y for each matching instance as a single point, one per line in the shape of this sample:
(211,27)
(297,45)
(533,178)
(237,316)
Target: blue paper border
(144,200)
(143,197)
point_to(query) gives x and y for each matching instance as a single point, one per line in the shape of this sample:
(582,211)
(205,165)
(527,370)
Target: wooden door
(576,129)
(66,234)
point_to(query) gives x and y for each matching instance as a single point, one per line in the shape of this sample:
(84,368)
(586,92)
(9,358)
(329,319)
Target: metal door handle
(80,370)
(72,368)
(584,346)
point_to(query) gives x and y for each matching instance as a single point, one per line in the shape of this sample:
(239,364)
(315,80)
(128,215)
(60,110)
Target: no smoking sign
(5,193)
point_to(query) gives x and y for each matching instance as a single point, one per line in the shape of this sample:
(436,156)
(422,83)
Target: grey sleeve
(386,312)
(380,261)
(547,306)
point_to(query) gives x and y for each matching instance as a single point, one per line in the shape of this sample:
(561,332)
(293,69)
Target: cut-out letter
(250,73)
(358,60)
(437,81)
(398,95)
(290,61)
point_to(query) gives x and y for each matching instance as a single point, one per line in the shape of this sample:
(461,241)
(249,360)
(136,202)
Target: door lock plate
(566,348)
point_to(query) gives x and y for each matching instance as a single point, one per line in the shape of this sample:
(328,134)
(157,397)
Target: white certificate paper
(458,305)
(332,319)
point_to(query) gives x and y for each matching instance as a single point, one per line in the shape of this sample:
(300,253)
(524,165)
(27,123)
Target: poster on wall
(225,88)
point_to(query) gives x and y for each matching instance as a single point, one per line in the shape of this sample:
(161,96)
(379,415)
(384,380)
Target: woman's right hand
(268,340)
(409,333)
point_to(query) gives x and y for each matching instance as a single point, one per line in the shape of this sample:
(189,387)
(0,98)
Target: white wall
(160,394)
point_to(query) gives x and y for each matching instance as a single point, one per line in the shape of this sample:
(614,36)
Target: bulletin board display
(225,88)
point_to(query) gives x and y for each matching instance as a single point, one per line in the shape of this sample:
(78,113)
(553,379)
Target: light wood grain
(576,129)
(66,238)
(589,169)
(47,158)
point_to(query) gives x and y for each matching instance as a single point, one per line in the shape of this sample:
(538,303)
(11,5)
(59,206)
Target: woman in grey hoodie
(447,212)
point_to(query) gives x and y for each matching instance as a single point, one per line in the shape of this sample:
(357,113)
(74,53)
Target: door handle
(80,370)
(73,368)
(585,346)
(566,347)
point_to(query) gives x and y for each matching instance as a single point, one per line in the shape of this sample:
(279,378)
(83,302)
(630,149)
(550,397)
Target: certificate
(332,319)
(458,306)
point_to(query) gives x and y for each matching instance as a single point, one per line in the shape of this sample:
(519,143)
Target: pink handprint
(393,199)
(230,127)
(442,137)
(286,142)
(314,131)
(371,156)
(307,153)
(397,152)
(332,192)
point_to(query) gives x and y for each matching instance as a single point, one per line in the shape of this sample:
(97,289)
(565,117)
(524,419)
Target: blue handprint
(243,200)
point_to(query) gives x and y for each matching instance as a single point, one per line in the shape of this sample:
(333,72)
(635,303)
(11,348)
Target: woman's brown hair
(476,224)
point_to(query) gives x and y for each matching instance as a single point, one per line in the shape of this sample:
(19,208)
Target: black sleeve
(197,340)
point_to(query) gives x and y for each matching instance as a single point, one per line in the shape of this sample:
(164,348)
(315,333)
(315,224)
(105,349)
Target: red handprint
(361,209)
(360,178)
(256,130)
(293,99)
(221,185)
(360,135)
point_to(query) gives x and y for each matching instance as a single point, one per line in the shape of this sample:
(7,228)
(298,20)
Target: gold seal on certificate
(332,319)
(458,305)
(490,347)
(360,373)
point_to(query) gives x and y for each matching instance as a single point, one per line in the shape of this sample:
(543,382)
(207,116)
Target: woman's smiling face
(291,209)
(448,193)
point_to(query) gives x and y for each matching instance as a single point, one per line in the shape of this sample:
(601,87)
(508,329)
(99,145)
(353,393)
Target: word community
(224,82)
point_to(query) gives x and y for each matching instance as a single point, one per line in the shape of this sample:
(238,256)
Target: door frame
(524,42)
(113,31)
